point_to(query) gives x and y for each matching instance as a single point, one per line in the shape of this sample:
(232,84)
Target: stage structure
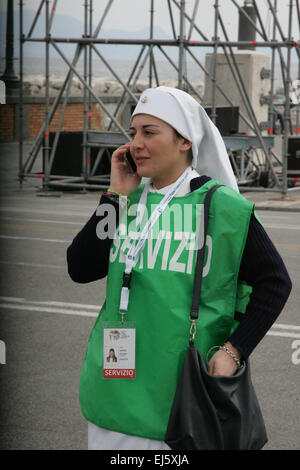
(254,160)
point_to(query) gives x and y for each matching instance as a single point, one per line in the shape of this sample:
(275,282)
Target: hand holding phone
(123,176)
(130,161)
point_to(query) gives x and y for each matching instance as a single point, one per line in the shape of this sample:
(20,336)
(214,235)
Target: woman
(111,356)
(150,269)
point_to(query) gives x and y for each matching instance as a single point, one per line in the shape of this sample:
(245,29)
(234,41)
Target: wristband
(115,192)
(118,197)
(234,357)
(231,353)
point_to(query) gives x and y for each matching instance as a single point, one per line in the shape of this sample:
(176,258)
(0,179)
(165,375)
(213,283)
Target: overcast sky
(133,15)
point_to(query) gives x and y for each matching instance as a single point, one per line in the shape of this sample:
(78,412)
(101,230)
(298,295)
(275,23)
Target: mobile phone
(130,160)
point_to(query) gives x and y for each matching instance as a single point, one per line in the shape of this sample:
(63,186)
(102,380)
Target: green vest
(160,302)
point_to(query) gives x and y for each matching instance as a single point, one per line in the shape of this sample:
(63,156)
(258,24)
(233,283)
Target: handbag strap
(194,313)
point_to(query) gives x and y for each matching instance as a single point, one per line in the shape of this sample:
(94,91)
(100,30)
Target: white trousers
(103,439)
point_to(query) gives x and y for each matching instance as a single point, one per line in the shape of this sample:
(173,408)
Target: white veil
(188,117)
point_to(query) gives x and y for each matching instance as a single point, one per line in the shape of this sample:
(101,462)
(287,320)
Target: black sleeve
(263,268)
(88,255)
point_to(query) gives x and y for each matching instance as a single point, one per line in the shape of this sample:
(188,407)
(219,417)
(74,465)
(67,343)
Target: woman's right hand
(122,179)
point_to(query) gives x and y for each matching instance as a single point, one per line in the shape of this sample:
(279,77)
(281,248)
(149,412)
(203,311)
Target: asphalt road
(46,320)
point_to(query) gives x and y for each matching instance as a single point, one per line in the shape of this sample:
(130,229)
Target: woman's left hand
(222,363)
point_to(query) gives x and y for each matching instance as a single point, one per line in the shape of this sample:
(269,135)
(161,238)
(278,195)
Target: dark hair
(179,136)
(114,358)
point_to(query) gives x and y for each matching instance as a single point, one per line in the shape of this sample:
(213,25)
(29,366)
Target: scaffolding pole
(187,26)
(21,105)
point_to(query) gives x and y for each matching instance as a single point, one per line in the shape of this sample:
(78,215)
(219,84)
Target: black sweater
(261,267)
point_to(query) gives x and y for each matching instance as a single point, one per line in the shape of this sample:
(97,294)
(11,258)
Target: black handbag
(213,412)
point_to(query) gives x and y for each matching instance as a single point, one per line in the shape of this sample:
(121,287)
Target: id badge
(119,350)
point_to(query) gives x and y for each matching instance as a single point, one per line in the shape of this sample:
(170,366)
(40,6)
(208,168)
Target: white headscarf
(186,115)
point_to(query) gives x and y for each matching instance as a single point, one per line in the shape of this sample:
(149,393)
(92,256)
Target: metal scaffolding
(255,163)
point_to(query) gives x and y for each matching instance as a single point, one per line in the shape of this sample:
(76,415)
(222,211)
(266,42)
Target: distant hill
(66,26)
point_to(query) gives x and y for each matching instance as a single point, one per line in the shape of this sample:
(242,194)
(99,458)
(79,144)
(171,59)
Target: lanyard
(135,248)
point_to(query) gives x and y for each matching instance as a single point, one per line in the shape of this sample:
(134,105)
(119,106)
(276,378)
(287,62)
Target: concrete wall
(250,64)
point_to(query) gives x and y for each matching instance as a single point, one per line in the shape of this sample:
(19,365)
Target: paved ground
(46,319)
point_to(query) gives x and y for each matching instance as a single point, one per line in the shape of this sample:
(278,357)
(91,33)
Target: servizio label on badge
(118,353)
